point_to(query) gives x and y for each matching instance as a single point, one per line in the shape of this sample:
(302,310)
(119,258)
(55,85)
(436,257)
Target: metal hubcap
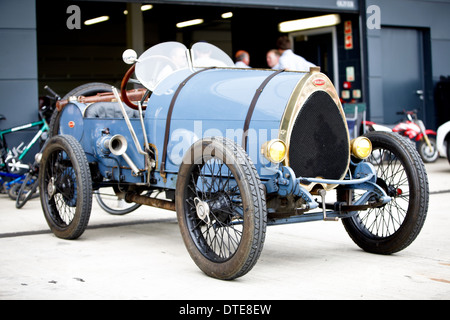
(202,209)
(51,188)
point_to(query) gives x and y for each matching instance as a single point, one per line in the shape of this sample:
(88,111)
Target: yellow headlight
(274,150)
(361,147)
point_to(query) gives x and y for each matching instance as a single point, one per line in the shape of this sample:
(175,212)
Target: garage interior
(93,53)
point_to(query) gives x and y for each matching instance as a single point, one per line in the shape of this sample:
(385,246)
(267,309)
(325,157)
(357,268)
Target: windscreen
(159,61)
(206,55)
(163,59)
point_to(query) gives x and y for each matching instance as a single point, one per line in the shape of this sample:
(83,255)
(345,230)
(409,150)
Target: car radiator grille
(319,143)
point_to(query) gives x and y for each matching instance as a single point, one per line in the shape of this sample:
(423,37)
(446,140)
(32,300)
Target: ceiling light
(146,7)
(227,15)
(189,23)
(96,20)
(310,23)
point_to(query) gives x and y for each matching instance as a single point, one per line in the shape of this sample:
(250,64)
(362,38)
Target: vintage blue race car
(233,150)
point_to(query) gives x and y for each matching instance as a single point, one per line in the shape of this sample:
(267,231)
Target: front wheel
(221,208)
(401,173)
(65,187)
(428,154)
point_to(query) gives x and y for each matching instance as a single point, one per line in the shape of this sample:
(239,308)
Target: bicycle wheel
(27,189)
(13,190)
(401,173)
(65,185)
(112,203)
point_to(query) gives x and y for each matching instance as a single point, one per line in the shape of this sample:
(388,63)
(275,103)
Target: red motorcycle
(414,129)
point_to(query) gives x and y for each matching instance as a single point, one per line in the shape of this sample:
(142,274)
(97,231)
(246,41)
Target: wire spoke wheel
(222,218)
(65,187)
(392,177)
(401,174)
(215,215)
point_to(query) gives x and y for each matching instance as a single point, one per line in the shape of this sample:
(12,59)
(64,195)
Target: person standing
(242,59)
(288,59)
(272,58)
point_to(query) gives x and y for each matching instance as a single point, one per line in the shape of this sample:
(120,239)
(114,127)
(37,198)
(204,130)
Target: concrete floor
(142,256)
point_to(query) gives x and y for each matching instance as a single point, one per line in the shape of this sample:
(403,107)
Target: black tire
(65,187)
(427,155)
(88,89)
(12,192)
(27,189)
(401,173)
(228,241)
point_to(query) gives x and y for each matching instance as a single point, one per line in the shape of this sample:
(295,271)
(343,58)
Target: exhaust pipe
(118,145)
(152,202)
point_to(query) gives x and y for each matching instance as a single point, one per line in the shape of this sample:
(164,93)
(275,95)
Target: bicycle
(29,185)
(8,183)
(11,160)
(13,180)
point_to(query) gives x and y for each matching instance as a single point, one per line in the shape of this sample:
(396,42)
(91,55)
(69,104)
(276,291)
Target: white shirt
(240,64)
(291,61)
(277,67)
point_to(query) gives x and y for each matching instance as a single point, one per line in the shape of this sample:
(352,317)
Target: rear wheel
(65,187)
(88,89)
(221,208)
(401,173)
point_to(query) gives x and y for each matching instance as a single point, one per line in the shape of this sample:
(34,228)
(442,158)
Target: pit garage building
(383,56)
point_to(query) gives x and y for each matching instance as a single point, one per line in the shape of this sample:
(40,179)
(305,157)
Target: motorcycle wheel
(221,208)
(428,155)
(401,173)
(65,187)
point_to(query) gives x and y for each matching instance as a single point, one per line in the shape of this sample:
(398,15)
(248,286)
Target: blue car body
(217,101)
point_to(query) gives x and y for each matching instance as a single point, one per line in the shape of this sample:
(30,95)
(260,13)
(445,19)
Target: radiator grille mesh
(319,143)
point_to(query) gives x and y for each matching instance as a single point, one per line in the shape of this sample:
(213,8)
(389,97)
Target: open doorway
(319,46)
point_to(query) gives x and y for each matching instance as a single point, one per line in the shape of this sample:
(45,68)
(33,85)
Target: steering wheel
(123,89)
